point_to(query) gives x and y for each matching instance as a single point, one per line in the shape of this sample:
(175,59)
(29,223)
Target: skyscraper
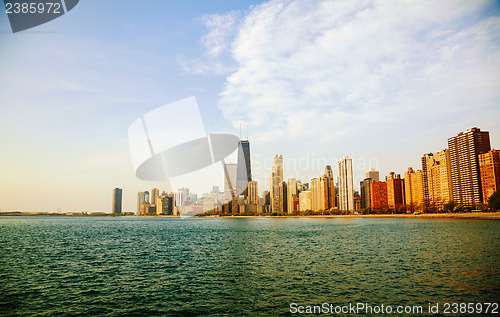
(373,174)
(395,191)
(437,179)
(378,195)
(244,171)
(346,187)
(276,179)
(414,189)
(365,192)
(282,197)
(305,200)
(292,190)
(253,195)
(142,198)
(331,186)
(489,164)
(117,201)
(155,193)
(465,149)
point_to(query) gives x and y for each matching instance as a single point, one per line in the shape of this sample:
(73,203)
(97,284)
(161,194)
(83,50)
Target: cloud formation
(326,68)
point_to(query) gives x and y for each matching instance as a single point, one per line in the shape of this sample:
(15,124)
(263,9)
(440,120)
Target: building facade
(465,149)
(437,179)
(305,200)
(276,179)
(414,189)
(378,195)
(395,191)
(117,201)
(346,187)
(244,169)
(292,191)
(489,165)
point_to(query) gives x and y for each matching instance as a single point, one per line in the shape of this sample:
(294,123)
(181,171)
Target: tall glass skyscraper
(244,171)
(117,201)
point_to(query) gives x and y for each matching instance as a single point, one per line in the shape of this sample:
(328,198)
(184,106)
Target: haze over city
(383,83)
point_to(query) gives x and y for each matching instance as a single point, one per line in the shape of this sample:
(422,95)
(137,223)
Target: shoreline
(470,215)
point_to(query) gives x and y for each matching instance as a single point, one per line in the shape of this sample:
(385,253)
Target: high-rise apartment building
(465,149)
(305,200)
(282,197)
(372,176)
(378,195)
(117,201)
(320,193)
(276,179)
(244,170)
(365,192)
(395,191)
(437,179)
(291,191)
(414,189)
(314,194)
(489,165)
(165,204)
(346,187)
(331,187)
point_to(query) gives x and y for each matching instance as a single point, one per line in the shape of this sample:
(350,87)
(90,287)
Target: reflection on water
(158,266)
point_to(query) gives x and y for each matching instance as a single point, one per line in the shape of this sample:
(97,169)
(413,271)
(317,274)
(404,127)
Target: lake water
(226,267)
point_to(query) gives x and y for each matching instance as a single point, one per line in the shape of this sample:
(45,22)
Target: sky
(382,82)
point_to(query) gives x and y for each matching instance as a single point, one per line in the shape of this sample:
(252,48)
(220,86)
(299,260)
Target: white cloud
(375,71)
(221,30)
(339,60)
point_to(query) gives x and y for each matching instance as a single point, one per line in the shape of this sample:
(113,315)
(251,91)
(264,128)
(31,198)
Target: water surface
(225,267)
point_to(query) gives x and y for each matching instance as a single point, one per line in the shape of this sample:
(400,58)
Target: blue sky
(382,82)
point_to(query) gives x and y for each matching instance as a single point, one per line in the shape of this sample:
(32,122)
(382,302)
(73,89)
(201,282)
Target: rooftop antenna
(247,131)
(240,130)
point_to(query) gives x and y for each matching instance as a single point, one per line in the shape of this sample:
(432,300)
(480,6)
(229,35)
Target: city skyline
(314,81)
(426,189)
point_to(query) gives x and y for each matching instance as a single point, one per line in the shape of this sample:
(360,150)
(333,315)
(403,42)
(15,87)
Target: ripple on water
(125,266)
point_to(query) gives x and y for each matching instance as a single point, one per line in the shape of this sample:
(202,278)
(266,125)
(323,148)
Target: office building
(276,179)
(117,201)
(346,187)
(489,165)
(243,170)
(142,198)
(465,149)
